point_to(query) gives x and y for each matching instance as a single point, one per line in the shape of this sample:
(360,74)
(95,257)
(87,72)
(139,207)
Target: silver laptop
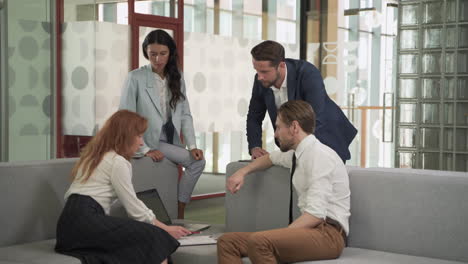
(153,201)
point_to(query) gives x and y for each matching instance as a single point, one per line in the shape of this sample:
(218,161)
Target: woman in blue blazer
(157,92)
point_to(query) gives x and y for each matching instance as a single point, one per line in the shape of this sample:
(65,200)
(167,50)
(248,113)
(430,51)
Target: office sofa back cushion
(416,212)
(32,199)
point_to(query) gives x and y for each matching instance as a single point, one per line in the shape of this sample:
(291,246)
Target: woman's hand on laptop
(177,231)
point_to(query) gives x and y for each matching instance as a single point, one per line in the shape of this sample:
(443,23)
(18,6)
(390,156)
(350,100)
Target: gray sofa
(397,215)
(32,199)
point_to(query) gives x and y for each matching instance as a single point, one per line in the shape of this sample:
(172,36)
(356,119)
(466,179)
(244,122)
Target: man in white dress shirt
(321,182)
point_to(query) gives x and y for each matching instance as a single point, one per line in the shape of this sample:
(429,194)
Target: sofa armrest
(263,201)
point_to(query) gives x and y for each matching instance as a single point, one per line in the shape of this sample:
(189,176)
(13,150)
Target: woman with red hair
(103,174)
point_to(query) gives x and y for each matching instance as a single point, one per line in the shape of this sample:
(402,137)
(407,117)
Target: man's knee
(259,240)
(226,241)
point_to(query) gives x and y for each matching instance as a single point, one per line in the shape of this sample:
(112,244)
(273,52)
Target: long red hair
(117,134)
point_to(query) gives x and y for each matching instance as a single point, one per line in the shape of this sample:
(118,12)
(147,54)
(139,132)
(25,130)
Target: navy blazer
(304,83)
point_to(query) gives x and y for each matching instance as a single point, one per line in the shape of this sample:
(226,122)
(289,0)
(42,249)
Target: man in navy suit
(279,80)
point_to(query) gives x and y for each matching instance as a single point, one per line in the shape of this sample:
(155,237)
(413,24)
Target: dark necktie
(291,189)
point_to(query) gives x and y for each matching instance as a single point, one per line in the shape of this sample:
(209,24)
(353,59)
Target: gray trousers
(193,168)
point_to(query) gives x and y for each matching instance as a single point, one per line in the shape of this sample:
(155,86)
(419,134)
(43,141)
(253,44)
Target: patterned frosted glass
(407,137)
(431,63)
(430,138)
(29,88)
(432,12)
(408,113)
(430,113)
(409,15)
(432,38)
(215,65)
(431,88)
(408,63)
(92,78)
(409,39)
(408,88)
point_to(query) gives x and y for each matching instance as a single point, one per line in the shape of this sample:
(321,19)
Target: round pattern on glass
(27,25)
(75,107)
(243,42)
(229,59)
(80,78)
(242,107)
(79,130)
(33,77)
(11,77)
(79,27)
(116,50)
(46,78)
(29,130)
(215,107)
(46,130)
(11,106)
(331,85)
(83,49)
(46,26)
(46,44)
(101,78)
(100,54)
(11,51)
(46,106)
(28,48)
(29,101)
(199,82)
(101,106)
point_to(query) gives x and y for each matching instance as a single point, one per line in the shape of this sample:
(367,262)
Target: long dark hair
(171,70)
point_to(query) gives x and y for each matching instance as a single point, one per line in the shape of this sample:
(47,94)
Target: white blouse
(112,180)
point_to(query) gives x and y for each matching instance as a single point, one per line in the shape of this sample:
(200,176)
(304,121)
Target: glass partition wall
(26,75)
(432,115)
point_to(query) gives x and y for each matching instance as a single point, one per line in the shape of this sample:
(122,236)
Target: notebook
(153,201)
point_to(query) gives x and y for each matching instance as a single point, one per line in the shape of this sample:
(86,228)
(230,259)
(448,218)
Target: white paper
(197,240)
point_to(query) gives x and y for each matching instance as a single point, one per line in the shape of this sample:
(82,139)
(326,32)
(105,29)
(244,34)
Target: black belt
(338,227)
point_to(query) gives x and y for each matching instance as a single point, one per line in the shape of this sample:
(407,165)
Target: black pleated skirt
(84,231)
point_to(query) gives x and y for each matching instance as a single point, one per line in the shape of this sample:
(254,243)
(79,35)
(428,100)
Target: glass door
(26,74)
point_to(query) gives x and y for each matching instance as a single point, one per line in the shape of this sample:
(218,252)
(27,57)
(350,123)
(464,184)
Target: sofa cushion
(416,212)
(365,256)
(33,191)
(41,252)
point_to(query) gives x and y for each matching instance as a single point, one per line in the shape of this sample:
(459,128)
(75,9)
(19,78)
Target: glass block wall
(432,85)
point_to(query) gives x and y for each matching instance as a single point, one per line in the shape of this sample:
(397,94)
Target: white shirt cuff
(192,147)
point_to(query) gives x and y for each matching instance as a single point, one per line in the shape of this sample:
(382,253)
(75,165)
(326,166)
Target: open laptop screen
(153,201)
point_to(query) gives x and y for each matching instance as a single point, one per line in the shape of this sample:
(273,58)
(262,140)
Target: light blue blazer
(139,94)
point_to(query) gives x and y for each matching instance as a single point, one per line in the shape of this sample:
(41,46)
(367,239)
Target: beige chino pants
(282,245)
